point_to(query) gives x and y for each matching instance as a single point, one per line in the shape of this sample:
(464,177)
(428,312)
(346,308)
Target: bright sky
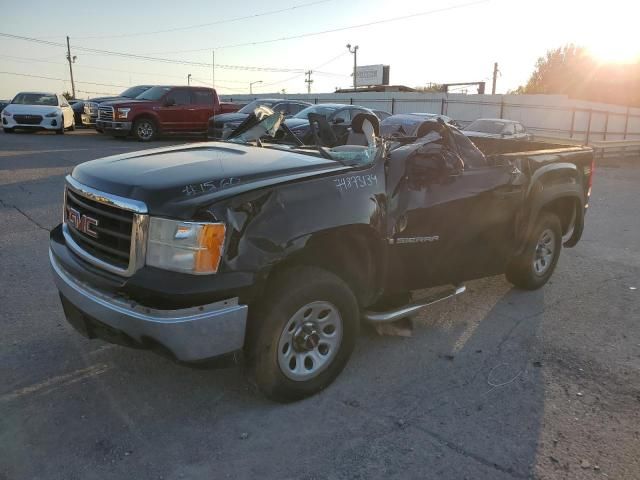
(447,45)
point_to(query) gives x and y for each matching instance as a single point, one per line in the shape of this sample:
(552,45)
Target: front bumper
(89,120)
(47,123)
(113,126)
(190,334)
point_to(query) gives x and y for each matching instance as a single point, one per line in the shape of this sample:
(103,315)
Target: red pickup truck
(162,110)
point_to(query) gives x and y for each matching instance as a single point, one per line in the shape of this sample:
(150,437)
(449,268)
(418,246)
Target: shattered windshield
(263,121)
(250,107)
(265,125)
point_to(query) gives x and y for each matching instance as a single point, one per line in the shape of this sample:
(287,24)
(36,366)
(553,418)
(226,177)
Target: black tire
(533,268)
(60,131)
(99,130)
(8,130)
(72,128)
(292,294)
(145,129)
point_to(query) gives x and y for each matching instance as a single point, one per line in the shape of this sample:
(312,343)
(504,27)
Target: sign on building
(368,75)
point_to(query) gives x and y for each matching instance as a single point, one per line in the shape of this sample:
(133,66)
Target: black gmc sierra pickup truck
(279,251)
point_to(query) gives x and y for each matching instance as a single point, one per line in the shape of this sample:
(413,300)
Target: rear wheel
(302,335)
(145,129)
(533,268)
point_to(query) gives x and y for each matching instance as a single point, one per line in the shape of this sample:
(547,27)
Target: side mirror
(169,102)
(338,120)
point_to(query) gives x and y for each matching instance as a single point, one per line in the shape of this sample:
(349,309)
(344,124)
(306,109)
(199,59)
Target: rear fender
(555,188)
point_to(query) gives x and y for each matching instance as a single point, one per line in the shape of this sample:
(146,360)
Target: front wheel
(145,129)
(533,268)
(302,335)
(8,130)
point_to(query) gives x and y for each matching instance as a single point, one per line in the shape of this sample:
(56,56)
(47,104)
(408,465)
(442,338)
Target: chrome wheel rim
(310,341)
(145,130)
(545,250)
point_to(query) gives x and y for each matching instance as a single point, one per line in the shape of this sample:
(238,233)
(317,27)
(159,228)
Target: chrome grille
(105,113)
(113,230)
(91,108)
(116,239)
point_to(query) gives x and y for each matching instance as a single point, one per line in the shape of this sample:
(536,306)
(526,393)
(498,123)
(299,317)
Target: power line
(61,79)
(262,42)
(304,72)
(163,60)
(201,25)
(333,30)
(91,67)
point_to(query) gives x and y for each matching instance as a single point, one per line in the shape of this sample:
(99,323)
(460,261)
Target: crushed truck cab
(279,251)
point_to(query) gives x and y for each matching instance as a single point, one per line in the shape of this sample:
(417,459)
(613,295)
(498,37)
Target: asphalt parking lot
(499,384)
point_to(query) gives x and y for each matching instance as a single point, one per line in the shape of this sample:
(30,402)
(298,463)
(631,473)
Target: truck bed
(499,146)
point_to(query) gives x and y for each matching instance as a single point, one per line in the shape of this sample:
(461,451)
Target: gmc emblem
(81,222)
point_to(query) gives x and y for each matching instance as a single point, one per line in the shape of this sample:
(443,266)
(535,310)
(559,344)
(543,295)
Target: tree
(572,71)
(67,95)
(431,88)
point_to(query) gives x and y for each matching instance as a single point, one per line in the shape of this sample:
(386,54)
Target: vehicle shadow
(462,397)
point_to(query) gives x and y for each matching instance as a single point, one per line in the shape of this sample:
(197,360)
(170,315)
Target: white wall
(549,115)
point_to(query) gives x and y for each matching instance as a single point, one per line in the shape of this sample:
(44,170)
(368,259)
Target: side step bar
(412,308)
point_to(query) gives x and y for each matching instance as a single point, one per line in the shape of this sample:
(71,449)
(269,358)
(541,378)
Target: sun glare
(607,51)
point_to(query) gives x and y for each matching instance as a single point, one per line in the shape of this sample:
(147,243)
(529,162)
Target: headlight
(123,112)
(6,114)
(187,247)
(51,115)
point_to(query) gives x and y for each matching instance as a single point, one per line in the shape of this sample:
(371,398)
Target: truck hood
(126,102)
(104,99)
(176,181)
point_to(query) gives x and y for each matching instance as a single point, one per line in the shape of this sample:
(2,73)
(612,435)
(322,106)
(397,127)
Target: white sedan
(38,111)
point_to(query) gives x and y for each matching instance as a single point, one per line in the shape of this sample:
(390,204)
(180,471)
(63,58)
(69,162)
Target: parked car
(88,110)
(218,123)
(78,108)
(406,124)
(496,128)
(337,114)
(4,103)
(162,110)
(38,111)
(381,114)
(206,250)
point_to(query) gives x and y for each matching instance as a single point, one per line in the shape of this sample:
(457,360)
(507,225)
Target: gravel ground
(499,384)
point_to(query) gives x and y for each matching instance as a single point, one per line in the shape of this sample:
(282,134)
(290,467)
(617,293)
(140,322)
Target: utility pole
(495,78)
(189,79)
(355,61)
(71,61)
(213,68)
(308,80)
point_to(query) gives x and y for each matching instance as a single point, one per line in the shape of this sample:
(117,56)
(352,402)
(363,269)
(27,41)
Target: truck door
(451,215)
(173,111)
(201,109)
